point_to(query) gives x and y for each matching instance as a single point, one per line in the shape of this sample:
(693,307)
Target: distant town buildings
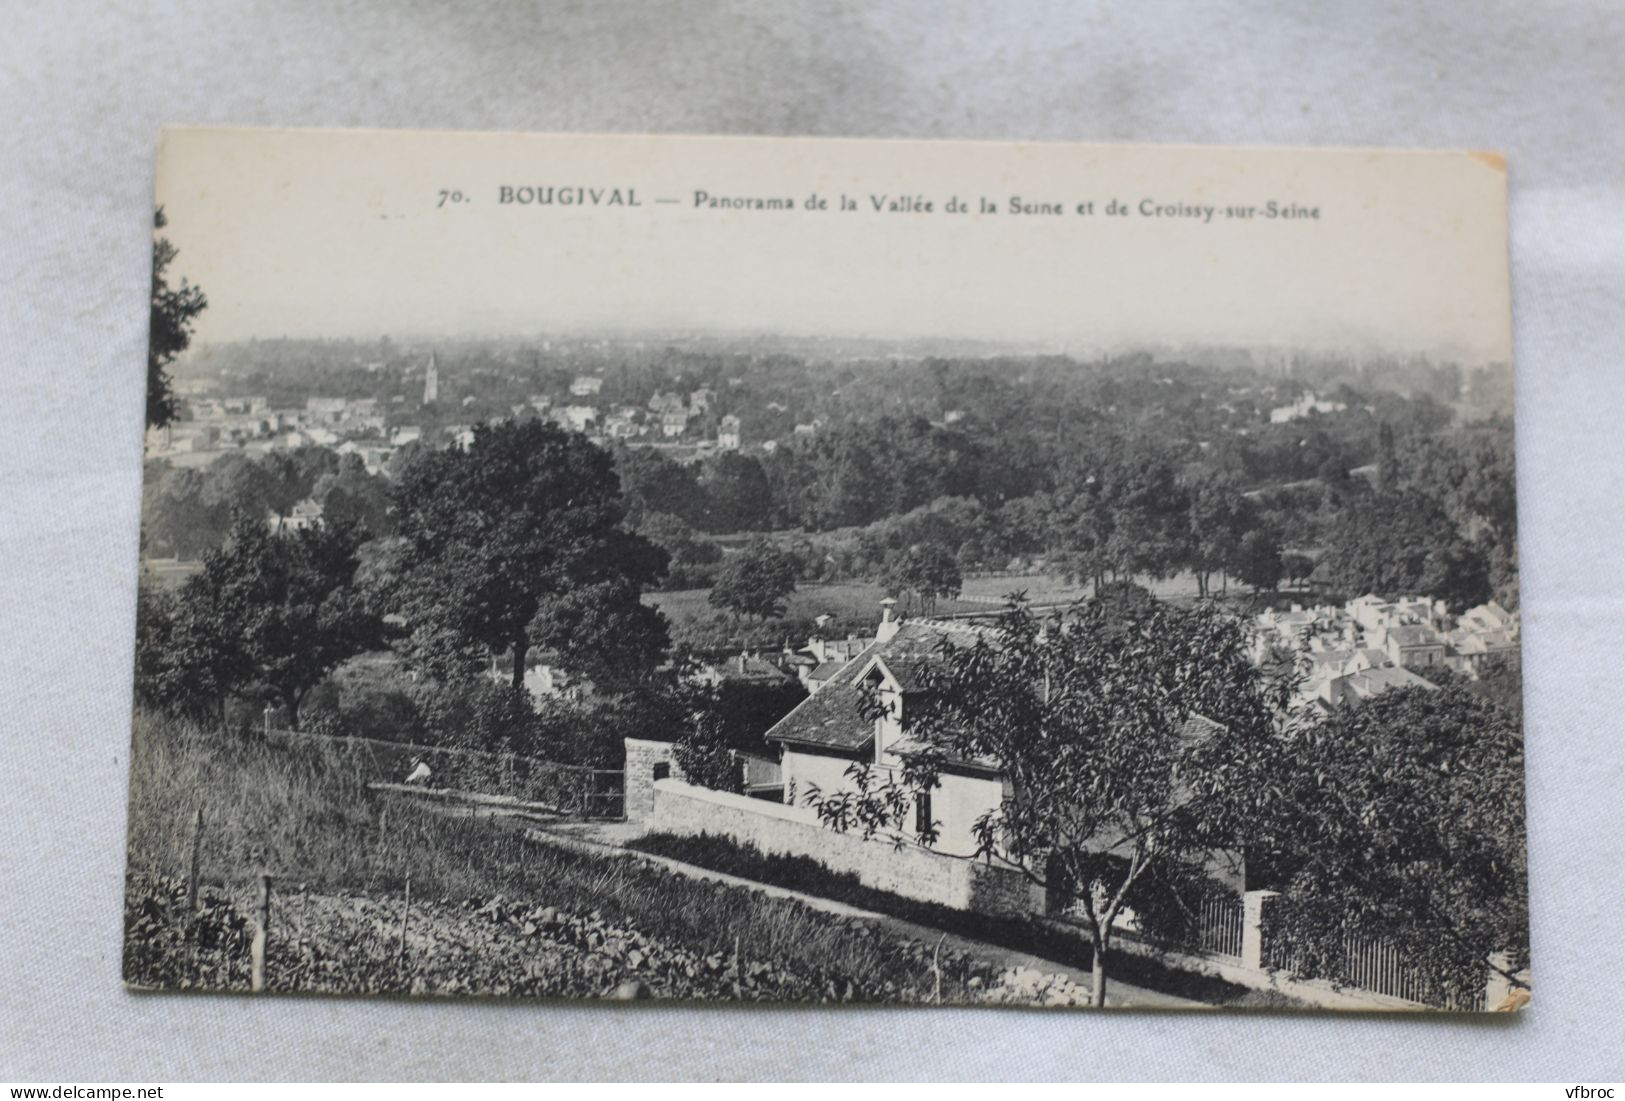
(306,513)
(1369,644)
(742,668)
(728,434)
(586,386)
(1303,407)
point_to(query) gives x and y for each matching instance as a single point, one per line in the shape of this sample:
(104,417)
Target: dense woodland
(1112,469)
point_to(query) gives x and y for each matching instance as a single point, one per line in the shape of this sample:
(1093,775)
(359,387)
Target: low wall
(913,872)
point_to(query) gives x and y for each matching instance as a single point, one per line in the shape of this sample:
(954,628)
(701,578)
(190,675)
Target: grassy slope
(307,821)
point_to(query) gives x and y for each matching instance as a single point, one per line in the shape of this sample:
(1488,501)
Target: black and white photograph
(828,571)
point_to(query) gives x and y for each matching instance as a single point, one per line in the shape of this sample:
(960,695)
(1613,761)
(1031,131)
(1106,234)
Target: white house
(579,417)
(828,731)
(1303,407)
(728,434)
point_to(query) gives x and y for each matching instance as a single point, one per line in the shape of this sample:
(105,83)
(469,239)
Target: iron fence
(575,791)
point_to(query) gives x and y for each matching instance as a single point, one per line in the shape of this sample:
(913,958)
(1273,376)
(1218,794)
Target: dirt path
(612,838)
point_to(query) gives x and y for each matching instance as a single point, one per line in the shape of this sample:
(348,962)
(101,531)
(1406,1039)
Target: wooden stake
(262,937)
(936,970)
(406,908)
(191,875)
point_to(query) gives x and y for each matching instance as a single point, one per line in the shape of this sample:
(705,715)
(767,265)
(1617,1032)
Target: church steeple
(431,383)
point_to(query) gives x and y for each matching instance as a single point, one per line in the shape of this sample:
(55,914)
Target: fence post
(191,874)
(406,909)
(1252,928)
(262,937)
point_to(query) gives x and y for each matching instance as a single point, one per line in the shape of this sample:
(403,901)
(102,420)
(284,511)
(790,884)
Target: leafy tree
(1403,819)
(173,311)
(1257,560)
(705,754)
(240,481)
(1112,792)
(1219,517)
(692,557)
(185,660)
(927,570)
(179,514)
(738,495)
(650,483)
(602,631)
(500,541)
(1297,567)
(269,616)
(755,582)
(1387,460)
(352,494)
(1403,543)
(1122,604)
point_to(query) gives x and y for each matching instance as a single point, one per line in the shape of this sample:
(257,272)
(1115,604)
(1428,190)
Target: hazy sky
(330,233)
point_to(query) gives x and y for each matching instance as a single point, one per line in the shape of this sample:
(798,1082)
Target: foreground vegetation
(492,911)
(1046,940)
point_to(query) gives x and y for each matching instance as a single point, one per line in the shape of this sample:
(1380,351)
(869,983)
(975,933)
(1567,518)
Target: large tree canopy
(1129,744)
(173,310)
(1401,544)
(1402,819)
(500,540)
(755,582)
(270,616)
(925,570)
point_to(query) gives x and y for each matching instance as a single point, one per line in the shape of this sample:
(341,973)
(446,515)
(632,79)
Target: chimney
(888,625)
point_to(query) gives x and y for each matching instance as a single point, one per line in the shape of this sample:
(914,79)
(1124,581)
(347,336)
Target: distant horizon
(974,347)
(323,234)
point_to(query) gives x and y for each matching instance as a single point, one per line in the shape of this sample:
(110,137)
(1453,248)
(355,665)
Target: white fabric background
(85,89)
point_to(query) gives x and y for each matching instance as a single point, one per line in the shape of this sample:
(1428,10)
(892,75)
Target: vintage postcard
(828,571)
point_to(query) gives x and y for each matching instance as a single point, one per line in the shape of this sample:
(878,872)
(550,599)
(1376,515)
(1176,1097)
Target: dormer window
(888,724)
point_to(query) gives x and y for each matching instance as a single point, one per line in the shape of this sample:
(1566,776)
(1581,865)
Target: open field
(860,600)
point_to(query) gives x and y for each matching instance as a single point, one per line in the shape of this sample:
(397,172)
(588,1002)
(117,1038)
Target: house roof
(833,716)
(1414,636)
(1371,682)
(748,667)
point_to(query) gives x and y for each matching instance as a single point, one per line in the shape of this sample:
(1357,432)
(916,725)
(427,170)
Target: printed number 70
(450,197)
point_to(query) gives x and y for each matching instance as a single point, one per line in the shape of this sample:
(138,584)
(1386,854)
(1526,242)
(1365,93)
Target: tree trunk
(519,650)
(290,700)
(1097,972)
